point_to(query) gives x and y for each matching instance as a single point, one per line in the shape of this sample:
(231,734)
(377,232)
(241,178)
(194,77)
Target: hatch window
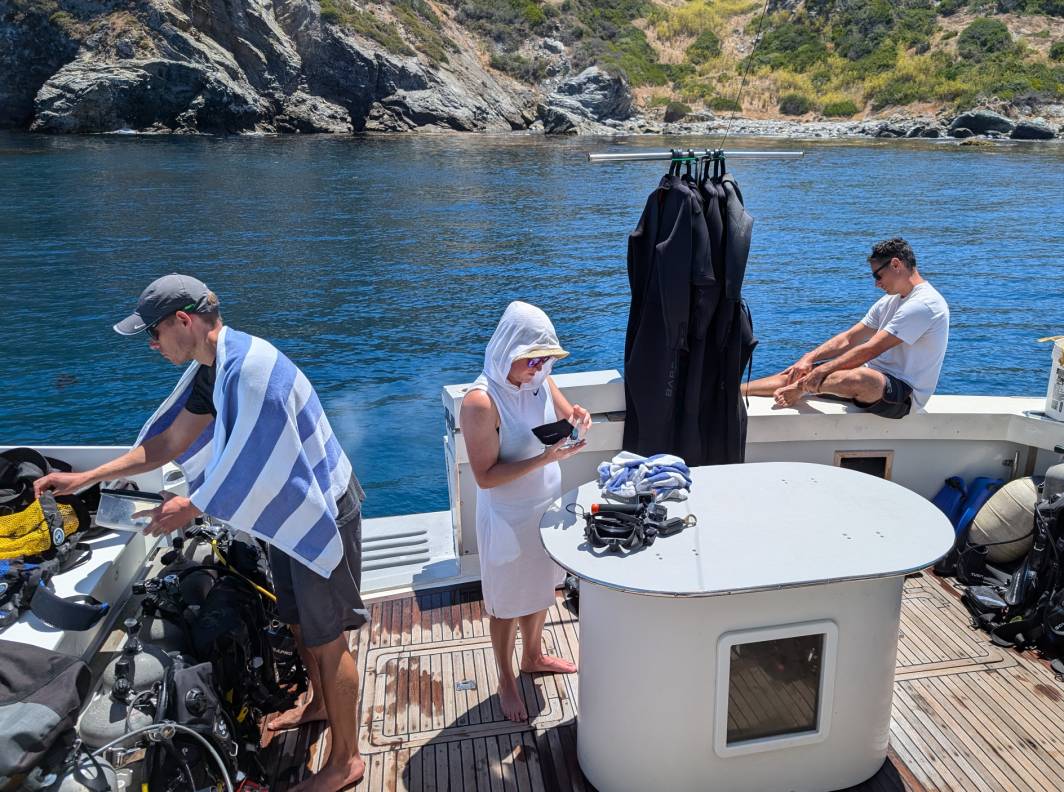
(874,463)
(774,687)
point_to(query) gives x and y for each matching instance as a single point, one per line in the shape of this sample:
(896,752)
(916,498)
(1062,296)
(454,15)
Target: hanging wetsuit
(707,283)
(733,335)
(667,248)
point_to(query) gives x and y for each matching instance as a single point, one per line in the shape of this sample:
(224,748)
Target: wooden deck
(966,715)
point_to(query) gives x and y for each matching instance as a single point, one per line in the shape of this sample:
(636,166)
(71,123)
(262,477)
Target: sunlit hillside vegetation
(835,58)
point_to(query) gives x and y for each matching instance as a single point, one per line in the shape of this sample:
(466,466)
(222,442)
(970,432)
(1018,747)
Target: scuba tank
(137,670)
(86,774)
(139,666)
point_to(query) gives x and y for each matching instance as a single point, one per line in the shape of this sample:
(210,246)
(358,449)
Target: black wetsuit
(689,333)
(668,245)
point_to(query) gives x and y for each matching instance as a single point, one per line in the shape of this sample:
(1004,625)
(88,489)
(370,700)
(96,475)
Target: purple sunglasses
(533,362)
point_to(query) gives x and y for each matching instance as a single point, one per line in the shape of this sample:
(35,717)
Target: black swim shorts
(896,402)
(324,607)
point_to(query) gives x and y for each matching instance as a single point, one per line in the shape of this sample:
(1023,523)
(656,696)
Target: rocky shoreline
(281,66)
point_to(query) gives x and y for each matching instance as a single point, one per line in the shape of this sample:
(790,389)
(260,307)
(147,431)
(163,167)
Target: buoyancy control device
(204,661)
(1025,607)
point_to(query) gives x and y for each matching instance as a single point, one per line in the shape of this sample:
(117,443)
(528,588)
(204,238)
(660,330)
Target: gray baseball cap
(165,296)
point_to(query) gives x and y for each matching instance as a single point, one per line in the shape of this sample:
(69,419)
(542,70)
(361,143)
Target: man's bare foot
(546,664)
(788,395)
(333,778)
(513,706)
(297,716)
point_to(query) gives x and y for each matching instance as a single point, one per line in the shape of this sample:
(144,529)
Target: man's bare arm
(841,343)
(832,348)
(150,455)
(880,342)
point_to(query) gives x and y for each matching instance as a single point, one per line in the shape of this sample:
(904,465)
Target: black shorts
(896,402)
(324,607)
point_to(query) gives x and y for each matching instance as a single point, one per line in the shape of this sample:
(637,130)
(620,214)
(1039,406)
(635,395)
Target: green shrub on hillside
(795,104)
(951,7)
(913,27)
(705,47)
(983,37)
(365,23)
(506,22)
(1056,52)
(600,31)
(844,108)
(723,104)
(423,26)
(860,26)
(1047,7)
(519,67)
(791,45)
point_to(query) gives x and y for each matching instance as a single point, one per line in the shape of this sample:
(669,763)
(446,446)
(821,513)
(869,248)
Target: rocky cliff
(571,67)
(258,66)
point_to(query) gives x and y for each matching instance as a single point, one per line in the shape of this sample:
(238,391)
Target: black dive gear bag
(40,694)
(1025,608)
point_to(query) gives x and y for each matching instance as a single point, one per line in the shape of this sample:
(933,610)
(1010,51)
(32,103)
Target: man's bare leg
(862,384)
(503,638)
(311,708)
(765,386)
(532,658)
(339,692)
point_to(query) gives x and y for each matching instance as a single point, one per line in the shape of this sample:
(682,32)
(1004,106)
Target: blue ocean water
(381,266)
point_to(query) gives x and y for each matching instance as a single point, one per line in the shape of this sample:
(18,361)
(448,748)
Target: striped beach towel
(269,464)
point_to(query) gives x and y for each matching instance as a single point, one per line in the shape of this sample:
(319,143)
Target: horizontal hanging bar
(636,156)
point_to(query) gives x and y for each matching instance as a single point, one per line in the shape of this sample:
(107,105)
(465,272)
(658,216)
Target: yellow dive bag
(30,526)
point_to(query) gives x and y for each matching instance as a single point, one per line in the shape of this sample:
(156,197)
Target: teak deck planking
(966,714)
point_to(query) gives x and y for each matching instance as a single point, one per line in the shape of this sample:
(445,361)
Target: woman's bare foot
(788,396)
(333,778)
(546,664)
(513,706)
(297,716)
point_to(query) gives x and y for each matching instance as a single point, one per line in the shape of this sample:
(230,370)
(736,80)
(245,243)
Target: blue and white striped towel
(273,467)
(628,475)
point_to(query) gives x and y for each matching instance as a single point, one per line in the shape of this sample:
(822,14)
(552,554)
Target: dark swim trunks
(324,607)
(896,402)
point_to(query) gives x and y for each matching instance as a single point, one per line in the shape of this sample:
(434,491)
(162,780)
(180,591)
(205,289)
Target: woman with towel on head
(517,479)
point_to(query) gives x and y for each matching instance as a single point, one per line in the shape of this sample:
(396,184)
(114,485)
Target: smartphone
(551,433)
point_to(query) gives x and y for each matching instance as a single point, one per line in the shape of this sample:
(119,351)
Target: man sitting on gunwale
(888,363)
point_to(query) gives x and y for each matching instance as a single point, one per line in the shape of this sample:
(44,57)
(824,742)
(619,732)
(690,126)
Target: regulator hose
(159,730)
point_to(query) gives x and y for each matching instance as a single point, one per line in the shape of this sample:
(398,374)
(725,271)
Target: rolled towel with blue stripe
(628,476)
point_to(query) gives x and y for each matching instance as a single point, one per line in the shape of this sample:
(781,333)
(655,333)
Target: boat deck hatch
(777,687)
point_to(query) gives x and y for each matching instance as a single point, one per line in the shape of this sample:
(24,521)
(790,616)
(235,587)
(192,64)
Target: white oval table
(756,650)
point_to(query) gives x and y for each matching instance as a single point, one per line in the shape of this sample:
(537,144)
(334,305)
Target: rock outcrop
(586,102)
(980,122)
(33,47)
(1033,129)
(218,66)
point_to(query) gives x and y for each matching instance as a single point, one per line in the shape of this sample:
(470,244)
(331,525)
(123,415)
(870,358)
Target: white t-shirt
(921,321)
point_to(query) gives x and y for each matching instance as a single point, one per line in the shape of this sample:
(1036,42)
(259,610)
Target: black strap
(70,613)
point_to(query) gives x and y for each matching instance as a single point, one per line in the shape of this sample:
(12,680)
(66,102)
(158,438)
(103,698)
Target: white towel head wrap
(523,328)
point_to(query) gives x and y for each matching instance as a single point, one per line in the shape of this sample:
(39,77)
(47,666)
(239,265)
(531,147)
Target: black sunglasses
(153,328)
(879,269)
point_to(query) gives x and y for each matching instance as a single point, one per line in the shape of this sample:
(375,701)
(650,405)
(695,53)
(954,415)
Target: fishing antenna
(742,83)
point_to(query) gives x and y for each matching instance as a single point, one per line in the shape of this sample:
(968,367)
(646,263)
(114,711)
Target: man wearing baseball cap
(258,453)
